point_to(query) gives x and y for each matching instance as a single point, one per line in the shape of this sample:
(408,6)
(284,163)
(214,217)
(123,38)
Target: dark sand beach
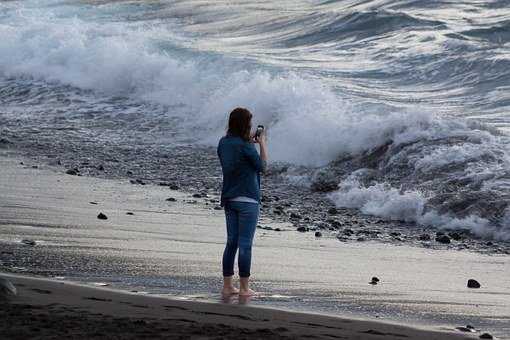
(50,309)
(166,253)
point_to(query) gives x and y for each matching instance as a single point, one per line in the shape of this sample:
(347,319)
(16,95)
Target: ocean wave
(358,26)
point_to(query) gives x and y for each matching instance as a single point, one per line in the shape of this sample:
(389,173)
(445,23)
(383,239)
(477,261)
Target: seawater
(405,102)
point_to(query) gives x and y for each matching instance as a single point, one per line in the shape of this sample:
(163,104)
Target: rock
(129,213)
(139,181)
(129,173)
(443,239)
(295,216)
(197,195)
(324,181)
(360,239)
(486,336)
(332,211)
(35,167)
(170,199)
(490,244)
(455,236)
(218,207)
(93,203)
(468,328)
(278,207)
(395,233)
(318,234)
(277,229)
(72,172)
(336,224)
(348,231)
(28,242)
(424,237)
(374,281)
(102,216)
(472,283)
(4,141)
(302,229)
(259,226)
(7,288)
(173,187)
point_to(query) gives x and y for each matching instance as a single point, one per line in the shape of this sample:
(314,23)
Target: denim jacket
(241,166)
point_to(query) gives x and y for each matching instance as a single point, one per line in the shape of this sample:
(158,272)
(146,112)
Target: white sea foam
(392,204)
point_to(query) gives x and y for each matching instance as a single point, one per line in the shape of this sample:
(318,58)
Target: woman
(240,195)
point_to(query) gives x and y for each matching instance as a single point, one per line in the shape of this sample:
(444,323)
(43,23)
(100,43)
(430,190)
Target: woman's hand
(261,139)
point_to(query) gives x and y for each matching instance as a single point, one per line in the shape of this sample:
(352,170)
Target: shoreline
(64,308)
(194,169)
(62,220)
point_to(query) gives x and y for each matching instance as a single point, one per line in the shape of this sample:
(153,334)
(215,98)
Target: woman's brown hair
(239,123)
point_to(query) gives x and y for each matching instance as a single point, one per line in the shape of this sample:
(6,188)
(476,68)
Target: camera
(259,130)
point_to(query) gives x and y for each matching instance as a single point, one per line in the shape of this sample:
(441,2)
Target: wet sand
(46,309)
(174,247)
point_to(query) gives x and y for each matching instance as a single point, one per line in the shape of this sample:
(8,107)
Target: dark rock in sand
(424,237)
(395,233)
(472,283)
(129,173)
(28,242)
(332,211)
(360,239)
(302,229)
(335,224)
(129,213)
(35,167)
(455,236)
(100,167)
(173,187)
(318,234)
(93,203)
(443,239)
(374,281)
(490,244)
(277,229)
(218,208)
(486,336)
(197,195)
(72,172)
(295,216)
(348,231)
(102,216)
(171,199)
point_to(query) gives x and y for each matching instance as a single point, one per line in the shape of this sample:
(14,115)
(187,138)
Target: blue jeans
(241,218)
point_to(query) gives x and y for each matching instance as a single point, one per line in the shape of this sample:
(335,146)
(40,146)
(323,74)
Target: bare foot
(248,292)
(229,291)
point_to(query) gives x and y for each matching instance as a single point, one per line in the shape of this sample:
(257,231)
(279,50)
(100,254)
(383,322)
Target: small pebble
(102,216)
(472,283)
